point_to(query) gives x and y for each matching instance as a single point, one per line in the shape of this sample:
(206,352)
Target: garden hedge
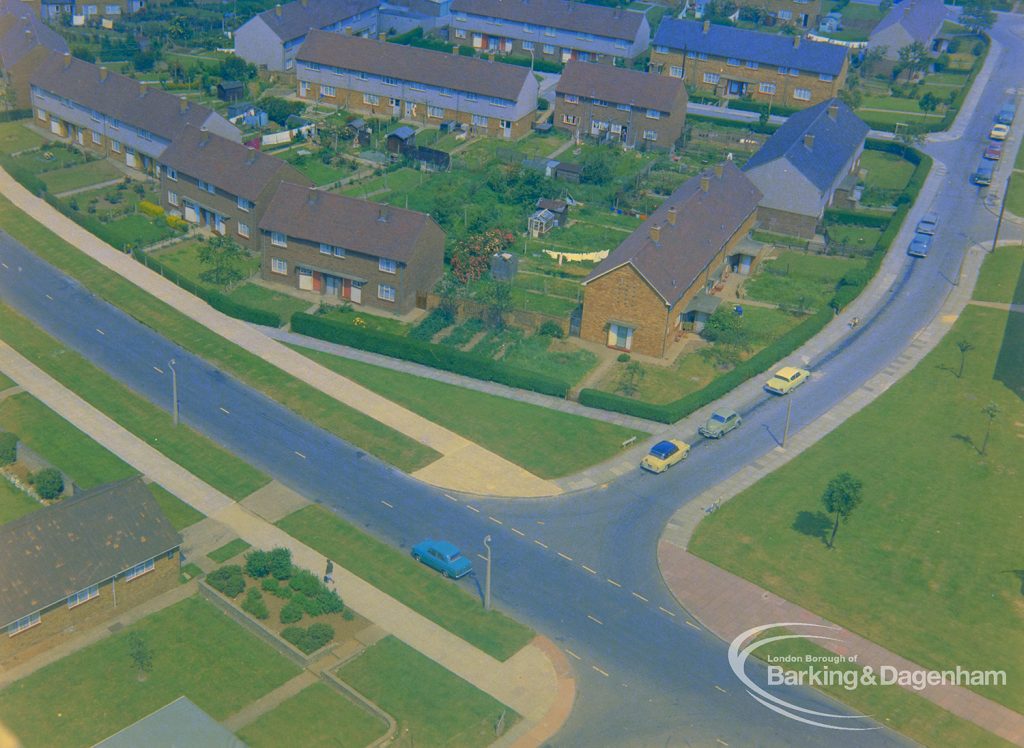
(8,448)
(757,106)
(428,354)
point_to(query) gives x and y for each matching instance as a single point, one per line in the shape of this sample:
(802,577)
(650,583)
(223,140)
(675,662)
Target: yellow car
(664,455)
(999,132)
(786,380)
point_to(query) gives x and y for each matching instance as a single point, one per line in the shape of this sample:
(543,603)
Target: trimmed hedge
(766,129)
(227,580)
(757,106)
(8,448)
(428,354)
(13,114)
(855,218)
(308,640)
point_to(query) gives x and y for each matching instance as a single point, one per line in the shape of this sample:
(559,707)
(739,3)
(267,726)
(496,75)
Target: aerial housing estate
(24,42)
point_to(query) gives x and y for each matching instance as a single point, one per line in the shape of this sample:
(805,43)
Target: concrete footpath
(463,466)
(534,682)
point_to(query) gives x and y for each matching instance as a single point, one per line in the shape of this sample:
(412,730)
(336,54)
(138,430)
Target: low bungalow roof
(292,20)
(620,86)
(921,19)
(615,23)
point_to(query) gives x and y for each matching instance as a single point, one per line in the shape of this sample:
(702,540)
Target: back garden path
(464,466)
(533,681)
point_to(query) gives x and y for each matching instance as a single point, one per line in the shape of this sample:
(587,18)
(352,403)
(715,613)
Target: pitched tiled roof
(85,540)
(835,141)
(620,86)
(356,225)
(299,17)
(705,221)
(225,164)
(20,34)
(756,46)
(118,96)
(560,14)
(921,19)
(415,64)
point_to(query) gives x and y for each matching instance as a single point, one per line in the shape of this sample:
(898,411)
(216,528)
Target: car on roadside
(720,423)
(664,455)
(1007,113)
(443,557)
(994,151)
(928,224)
(920,245)
(786,379)
(999,132)
(982,176)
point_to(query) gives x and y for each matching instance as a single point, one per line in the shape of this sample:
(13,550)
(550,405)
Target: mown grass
(799,279)
(82,175)
(15,137)
(180,514)
(886,171)
(1000,276)
(14,502)
(229,550)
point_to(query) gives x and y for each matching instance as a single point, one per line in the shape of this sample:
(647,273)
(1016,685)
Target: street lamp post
(174,391)
(487,576)
(789,412)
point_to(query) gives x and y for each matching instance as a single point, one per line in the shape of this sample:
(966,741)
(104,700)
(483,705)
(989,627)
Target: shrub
(308,640)
(175,222)
(254,605)
(551,329)
(622,358)
(227,580)
(48,482)
(312,595)
(319,634)
(432,324)
(276,562)
(8,447)
(543,105)
(257,564)
(291,613)
(150,209)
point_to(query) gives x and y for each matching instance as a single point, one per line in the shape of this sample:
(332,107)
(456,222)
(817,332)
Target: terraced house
(557,30)
(800,14)
(351,250)
(25,41)
(221,185)
(53,10)
(624,106)
(114,115)
(271,38)
(736,63)
(393,80)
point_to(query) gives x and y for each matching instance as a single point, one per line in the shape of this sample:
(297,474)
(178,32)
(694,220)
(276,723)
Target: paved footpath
(532,682)
(463,466)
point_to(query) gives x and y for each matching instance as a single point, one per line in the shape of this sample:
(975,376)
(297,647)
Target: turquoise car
(442,556)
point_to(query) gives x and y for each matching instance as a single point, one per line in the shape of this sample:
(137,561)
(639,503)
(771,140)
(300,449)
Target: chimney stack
(833,111)
(277,9)
(183,104)
(382,36)
(67,59)
(455,49)
(705,183)
(707,26)
(103,72)
(655,233)
(796,42)
(382,215)
(142,89)
(719,170)
(809,140)
(672,216)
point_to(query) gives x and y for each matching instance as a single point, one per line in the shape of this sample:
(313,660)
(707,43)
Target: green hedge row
(13,114)
(757,106)
(856,218)
(738,124)
(541,66)
(428,354)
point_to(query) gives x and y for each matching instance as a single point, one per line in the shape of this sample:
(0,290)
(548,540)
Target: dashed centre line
(225,411)
(49,297)
(299,453)
(667,612)
(495,520)
(520,533)
(567,558)
(602,672)
(451,498)
(612,581)
(721,689)
(158,370)
(6,266)
(573,654)
(691,624)
(100,331)
(472,508)
(542,545)
(638,596)
(587,568)
(595,620)
(388,504)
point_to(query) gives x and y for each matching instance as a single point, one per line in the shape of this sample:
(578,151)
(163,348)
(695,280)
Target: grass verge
(1000,278)
(228,550)
(412,584)
(180,514)
(14,502)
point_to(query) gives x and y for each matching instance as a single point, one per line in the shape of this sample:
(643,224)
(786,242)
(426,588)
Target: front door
(191,215)
(737,88)
(332,285)
(129,157)
(620,336)
(305,279)
(356,293)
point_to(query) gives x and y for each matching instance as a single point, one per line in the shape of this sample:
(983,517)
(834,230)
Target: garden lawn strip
(228,550)
(180,514)
(14,502)
(1002,276)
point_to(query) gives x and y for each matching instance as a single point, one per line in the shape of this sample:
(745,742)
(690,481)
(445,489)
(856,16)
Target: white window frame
(675,71)
(712,78)
(326,90)
(139,569)
(651,135)
(243,230)
(802,94)
(83,596)
(22,624)
(243,204)
(171,173)
(278,266)
(97,139)
(570,119)
(371,99)
(385,265)
(460,33)
(172,198)
(767,88)
(385,292)
(278,239)
(115,146)
(572,99)
(437,112)
(653,114)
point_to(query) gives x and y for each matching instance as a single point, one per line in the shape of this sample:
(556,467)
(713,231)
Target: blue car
(443,556)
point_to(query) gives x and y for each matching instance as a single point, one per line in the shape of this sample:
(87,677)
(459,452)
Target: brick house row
(556,30)
(736,63)
(625,106)
(392,80)
(800,14)
(54,10)
(25,41)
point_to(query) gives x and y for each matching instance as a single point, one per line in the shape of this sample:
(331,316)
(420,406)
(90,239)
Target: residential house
(112,114)
(798,14)
(271,38)
(77,563)
(905,23)
(180,723)
(653,284)
(622,106)
(221,185)
(80,11)
(393,80)
(800,167)
(726,61)
(350,250)
(556,30)
(25,41)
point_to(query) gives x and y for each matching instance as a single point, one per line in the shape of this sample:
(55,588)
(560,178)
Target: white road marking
(299,453)
(567,558)
(388,504)
(612,581)
(225,411)
(158,370)
(574,654)
(602,672)
(6,266)
(452,498)
(520,533)
(540,544)
(481,556)
(588,568)
(495,520)
(49,297)
(472,508)
(692,625)
(722,742)
(100,331)
(669,612)
(595,620)
(721,689)
(638,596)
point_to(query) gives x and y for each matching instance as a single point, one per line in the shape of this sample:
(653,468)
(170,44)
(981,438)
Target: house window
(96,138)
(794,72)
(243,230)
(549,31)
(527,45)
(583,56)
(479,120)
(702,56)
(734,61)
(711,78)
(244,204)
(460,33)
(387,266)
(330,249)
(529,28)
(41,113)
(620,336)
(371,99)
(206,186)
(23,623)
(83,595)
(385,293)
(691,55)
(303,88)
(675,71)
(389,81)
(325,249)
(752,65)
(653,114)
(279,266)
(435,111)
(572,99)
(662,50)
(115,146)
(339,251)
(171,172)
(327,90)
(570,119)
(469,96)
(139,569)
(785,15)
(783,70)
(826,77)
(766,88)
(278,239)
(172,198)
(621,44)
(802,94)
(549,49)
(650,134)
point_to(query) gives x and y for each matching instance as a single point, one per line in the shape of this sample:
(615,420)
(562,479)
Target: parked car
(720,423)
(928,223)
(983,174)
(786,380)
(999,132)
(664,455)
(993,152)
(442,556)
(1007,113)
(920,245)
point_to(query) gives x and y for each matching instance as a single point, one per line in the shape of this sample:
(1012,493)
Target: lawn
(187,447)
(528,435)
(197,652)
(553,358)
(853,239)
(5,382)
(316,717)
(82,175)
(400,180)
(1019,163)
(397,574)
(935,542)
(886,171)
(228,550)
(1001,277)
(308,402)
(15,137)
(52,156)
(134,230)
(884,120)
(317,170)
(891,103)
(376,323)
(14,502)
(180,514)
(799,279)
(432,705)
(1015,197)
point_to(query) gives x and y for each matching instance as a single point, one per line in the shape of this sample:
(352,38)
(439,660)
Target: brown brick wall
(784,222)
(227,205)
(668,127)
(622,296)
(811,9)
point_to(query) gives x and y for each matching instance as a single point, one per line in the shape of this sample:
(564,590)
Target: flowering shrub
(471,257)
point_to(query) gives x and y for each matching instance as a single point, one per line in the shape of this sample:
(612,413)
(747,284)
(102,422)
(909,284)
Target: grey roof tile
(921,19)
(298,18)
(560,14)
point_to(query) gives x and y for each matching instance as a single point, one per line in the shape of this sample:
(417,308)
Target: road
(581,569)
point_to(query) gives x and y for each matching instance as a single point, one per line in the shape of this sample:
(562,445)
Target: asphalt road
(580,569)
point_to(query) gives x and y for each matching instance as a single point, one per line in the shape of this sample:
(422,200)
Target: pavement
(533,681)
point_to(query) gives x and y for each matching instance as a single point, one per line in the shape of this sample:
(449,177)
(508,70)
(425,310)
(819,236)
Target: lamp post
(174,391)
(487,576)
(789,412)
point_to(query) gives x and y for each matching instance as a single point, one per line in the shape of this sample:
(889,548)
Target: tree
(143,60)
(279,110)
(236,69)
(450,293)
(630,378)
(964,346)
(140,654)
(48,482)
(224,256)
(991,410)
(726,327)
(841,497)
(850,94)
(497,299)
(913,59)
(472,256)
(928,103)
(977,15)
(871,58)
(597,166)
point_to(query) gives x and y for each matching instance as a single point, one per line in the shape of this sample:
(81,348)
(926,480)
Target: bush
(276,562)
(254,605)
(308,640)
(227,580)
(150,209)
(312,595)
(177,223)
(291,613)
(551,329)
(48,482)
(543,105)
(274,587)
(623,358)
(432,324)
(8,448)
